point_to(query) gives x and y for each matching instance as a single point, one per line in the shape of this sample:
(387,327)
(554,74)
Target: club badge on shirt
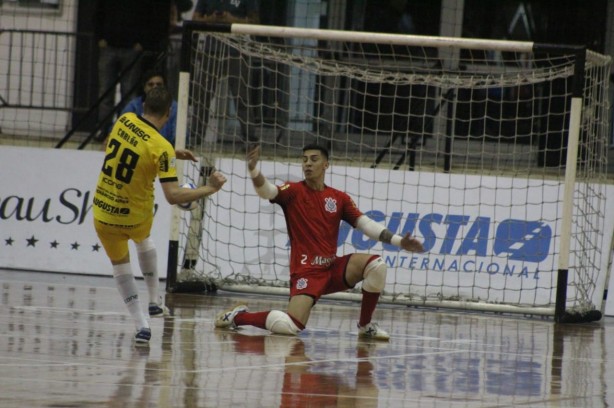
(330,205)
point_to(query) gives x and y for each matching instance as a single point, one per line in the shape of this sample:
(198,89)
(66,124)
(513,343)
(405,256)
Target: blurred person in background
(130,34)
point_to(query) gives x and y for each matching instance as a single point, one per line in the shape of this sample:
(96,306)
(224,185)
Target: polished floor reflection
(66,341)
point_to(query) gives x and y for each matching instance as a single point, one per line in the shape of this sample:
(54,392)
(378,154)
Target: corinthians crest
(330,205)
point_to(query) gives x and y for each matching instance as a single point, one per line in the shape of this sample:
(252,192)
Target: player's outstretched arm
(378,232)
(264,188)
(176,194)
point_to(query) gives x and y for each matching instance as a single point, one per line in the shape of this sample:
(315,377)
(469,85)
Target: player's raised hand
(411,244)
(184,154)
(216,180)
(253,155)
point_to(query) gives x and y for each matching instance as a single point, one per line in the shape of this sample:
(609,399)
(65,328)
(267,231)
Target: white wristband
(396,240)
(254,172)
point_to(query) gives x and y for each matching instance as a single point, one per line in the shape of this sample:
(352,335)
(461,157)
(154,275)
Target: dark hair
(183,5)
(150,73)
(314,146)
(157,101)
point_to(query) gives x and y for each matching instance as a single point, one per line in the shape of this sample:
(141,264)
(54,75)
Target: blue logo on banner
(523,240)
(516,240)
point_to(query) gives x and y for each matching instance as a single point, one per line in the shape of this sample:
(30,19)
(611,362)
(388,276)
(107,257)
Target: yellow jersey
(135,155)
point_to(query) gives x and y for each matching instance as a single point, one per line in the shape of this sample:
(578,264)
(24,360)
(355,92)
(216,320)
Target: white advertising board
(475,234)
(46,219)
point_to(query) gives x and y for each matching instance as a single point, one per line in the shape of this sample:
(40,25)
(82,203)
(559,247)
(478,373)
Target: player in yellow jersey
(135,155)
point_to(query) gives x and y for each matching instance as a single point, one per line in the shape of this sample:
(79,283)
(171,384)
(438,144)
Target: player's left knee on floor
(279,322)
(374,276)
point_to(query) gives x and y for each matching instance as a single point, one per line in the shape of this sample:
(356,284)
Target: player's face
(314,165)
(153,82)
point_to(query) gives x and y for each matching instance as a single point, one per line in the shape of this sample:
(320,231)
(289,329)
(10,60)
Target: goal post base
(192,287)
(580,317)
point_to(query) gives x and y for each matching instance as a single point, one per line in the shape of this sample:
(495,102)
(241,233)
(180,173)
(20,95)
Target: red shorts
(320,282)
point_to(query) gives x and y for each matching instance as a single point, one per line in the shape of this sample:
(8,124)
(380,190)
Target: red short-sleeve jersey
(313,219)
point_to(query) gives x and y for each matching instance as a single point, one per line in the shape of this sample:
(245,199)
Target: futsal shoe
(142,337)
(226,319)
(156,310)
(373,332)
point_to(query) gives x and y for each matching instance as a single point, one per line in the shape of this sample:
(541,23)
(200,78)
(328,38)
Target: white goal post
(493,153)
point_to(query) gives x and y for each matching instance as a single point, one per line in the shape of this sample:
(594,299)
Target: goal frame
(561,315)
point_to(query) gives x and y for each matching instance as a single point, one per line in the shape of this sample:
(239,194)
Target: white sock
(126,285)
(148,261)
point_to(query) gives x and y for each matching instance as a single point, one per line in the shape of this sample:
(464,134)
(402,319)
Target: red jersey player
(313,214)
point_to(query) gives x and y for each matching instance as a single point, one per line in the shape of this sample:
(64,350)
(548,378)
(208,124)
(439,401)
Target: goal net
(492,153)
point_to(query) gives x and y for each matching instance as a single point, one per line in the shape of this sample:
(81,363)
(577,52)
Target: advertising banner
(46,219)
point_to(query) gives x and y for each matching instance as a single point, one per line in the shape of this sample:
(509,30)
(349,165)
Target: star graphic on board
(54,244)
(32,241)
(75,245)
(9,241)
(96,247)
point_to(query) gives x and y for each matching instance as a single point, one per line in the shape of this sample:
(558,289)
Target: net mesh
(463,147)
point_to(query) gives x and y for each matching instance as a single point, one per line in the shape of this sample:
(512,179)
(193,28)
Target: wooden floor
(66,341)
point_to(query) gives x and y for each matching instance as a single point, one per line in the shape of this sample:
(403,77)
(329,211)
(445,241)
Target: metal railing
(51,71)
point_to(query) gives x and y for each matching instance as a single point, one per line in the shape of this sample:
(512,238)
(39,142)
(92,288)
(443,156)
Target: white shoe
(226,319)
(372,331)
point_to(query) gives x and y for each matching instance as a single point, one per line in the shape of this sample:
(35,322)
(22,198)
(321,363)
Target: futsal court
(67,341)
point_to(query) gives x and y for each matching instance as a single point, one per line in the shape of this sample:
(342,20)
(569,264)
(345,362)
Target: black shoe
(142,336)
